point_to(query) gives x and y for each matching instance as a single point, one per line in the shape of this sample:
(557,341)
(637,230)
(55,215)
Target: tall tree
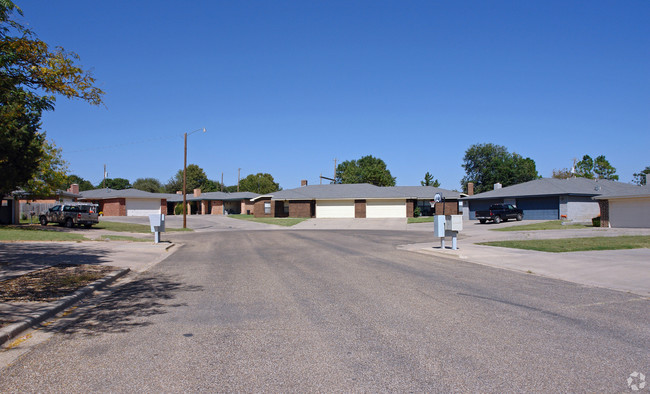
(83,184)
(50,175)
(367,169)
(115,183)
(604,170)
(31,75)
(487,164)
(585,167)
(196,179)
(260,183)
(641,178)
(151,185)
(429,181)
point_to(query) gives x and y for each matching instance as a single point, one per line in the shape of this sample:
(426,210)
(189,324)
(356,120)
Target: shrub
(596,221)
(178,209)
(417,212)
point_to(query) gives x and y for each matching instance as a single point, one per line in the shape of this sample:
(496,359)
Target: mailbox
(439,226)
(157,223)
(454,222)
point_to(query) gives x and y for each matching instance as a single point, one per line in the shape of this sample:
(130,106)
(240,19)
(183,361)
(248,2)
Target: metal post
(185,184)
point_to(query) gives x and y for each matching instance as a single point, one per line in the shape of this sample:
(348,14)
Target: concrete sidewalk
(624,270)
(19,258)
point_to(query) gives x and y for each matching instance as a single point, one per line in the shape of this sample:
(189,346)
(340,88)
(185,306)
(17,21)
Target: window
(286,207)
(55,208)
(267,207)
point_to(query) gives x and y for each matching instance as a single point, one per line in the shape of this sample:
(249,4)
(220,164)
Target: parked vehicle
(500,212)
(71,214)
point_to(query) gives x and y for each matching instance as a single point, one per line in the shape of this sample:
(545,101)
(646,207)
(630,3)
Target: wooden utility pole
(238,178)
(185,183)
(222,182)
(334,168)
(104,181)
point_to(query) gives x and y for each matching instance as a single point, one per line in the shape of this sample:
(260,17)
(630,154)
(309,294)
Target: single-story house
(625,209)
(347,201)
(213,203)
(33,206)
(550,198)
(127,202)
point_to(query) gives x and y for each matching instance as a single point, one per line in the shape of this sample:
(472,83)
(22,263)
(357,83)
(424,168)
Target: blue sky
(286,87)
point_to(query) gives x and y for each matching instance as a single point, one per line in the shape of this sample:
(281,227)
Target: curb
(13,330)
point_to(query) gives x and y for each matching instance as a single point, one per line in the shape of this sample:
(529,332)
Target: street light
(185,177)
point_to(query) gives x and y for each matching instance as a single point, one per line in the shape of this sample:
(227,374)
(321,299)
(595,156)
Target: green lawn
(577,244)
(131,227)
(421,219)
(550,225)
(277,221)
(36,233)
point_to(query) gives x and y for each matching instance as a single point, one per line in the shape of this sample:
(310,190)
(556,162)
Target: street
(338,311)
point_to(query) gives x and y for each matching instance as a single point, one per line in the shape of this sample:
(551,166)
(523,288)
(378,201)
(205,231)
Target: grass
(550,225)
(36,233)
(421,219)
(288,222)
(577,244)
(124,238)
(131,227)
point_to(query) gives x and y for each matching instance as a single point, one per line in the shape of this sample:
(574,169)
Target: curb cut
(13,330)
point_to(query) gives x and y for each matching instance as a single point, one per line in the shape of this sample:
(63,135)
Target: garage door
(335,209)
(543,208)
(142,207)
(385,209)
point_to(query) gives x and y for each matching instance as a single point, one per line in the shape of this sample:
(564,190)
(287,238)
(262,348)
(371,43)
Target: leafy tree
(260,183)
(115,183)
(600,168)
(367,169)
(30,76)
(83,184)
(604,170)
(429,181)
(50,175)
(641,178)
(487,164)
(230,189)
(151,185)
(196,179)
(563,173)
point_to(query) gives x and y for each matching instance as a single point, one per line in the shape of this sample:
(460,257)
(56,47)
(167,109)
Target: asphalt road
(339,311)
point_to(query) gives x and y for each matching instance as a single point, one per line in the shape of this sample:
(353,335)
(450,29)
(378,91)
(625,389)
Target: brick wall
(247,205)
(300,209)
(451,208)
(163,206)
(604,213)
(360,209)
(113,207)
(410,207)
(259,208)
(217,207)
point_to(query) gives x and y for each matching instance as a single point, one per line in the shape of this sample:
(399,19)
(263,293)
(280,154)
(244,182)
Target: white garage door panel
(385,209)
(633,213)
(142,207)
(335,209)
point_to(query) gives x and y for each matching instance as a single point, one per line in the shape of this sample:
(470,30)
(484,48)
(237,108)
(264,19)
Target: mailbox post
(157,225)
(448,225)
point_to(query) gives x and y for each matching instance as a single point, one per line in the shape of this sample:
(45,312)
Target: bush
(416,212)
(178,209)
(596,221)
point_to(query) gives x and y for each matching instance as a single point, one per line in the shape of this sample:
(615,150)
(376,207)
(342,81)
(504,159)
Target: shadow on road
(129,305)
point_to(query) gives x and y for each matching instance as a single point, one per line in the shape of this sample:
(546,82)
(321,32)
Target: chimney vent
(197,192)
(470,188)
(303,183)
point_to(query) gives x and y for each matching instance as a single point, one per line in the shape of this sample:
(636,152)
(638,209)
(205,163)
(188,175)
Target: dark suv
(71,214)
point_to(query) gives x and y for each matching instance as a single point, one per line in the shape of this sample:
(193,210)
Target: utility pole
(185,183)
(222,182)
(238,178)
(321,178)
(104,181)
(334,168)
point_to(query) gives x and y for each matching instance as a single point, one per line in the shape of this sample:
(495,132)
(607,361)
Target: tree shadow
(130,304)
(19,258)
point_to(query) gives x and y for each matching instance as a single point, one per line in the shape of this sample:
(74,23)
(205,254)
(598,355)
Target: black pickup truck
(499,213)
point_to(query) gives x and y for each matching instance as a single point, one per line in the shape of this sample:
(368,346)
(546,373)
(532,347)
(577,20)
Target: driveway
(290,311)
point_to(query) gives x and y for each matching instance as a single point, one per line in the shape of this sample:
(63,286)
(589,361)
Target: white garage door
(385,209)
(629,212)
(335,209)
(142,207)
